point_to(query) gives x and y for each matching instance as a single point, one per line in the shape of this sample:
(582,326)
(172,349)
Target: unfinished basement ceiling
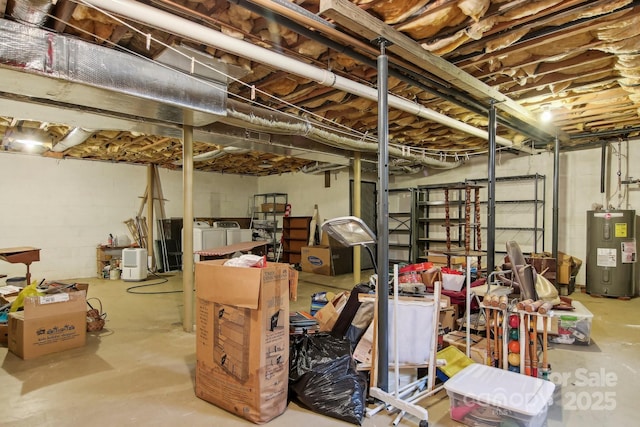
(577,59)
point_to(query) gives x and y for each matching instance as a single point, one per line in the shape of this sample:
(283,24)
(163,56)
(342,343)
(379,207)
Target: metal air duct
(180,26)
(33,12)
(45,65)
(76,136)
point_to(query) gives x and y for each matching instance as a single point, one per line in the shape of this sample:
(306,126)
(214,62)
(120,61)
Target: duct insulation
(33,12)
(114,74)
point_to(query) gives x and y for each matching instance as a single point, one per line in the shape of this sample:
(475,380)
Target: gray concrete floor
(140,369)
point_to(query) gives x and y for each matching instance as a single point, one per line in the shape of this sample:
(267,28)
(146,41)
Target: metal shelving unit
(267,216)
(519,211)
(402,210)
(446,215)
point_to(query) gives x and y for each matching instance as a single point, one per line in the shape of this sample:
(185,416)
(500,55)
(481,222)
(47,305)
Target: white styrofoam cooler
(481,392)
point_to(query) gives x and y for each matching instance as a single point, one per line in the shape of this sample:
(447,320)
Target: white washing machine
(207,237)
(235,234)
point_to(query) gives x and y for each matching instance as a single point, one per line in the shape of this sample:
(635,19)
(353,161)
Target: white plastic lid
(502,388)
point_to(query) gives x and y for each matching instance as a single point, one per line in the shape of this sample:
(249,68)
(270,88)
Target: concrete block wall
(67,207)
(306,190)
(579,187)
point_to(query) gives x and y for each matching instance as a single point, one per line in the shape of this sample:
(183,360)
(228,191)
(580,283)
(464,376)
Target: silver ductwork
(319,168)
(58,76)
(293,126)
(96,77)
(76,136)
(33,12)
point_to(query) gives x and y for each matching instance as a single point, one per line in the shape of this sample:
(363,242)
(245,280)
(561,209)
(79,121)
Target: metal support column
(491,190)
(556,186)
(357,211)
(151,191)
(187,220)
(383,218)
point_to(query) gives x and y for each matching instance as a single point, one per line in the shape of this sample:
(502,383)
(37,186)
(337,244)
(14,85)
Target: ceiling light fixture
(26,139)
(29,142)
(546,115)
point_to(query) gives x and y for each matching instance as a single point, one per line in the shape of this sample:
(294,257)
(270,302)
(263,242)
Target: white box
(480,392)
(453,282)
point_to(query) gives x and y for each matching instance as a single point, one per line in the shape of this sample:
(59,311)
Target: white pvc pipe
(183,27)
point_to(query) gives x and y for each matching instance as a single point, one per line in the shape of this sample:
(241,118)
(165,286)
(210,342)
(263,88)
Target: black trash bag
(324,379)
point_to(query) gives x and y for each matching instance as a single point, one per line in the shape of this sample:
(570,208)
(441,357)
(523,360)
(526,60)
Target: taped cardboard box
(48,324)
(242,339)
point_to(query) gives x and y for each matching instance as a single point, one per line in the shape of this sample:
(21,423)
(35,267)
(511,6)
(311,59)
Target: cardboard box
(568,268)
(478,350)
(48,324)
(273,207)
(544,264)
(316,259)
(4,333)
(242,339)
(448,318)
(440,258)
(326,260)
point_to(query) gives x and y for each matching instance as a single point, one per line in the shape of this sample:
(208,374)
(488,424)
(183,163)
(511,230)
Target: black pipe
(382,287)
(556,199)
(491,191)
(603,166)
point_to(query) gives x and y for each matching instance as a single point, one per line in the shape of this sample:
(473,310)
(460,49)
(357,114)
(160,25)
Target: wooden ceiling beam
(353,18)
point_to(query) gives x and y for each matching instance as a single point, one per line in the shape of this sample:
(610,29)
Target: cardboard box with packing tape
(48,324)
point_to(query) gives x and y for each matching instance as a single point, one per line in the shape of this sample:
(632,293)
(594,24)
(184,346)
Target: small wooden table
(24,254)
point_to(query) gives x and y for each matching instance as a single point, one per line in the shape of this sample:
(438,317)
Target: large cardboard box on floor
(242,335)
(48,324)
(329,260)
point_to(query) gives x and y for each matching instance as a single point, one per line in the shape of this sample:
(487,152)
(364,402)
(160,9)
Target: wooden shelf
(295,236)
(105,255)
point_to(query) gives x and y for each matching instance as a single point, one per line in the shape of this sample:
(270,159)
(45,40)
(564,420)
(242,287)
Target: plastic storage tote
(483,394)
